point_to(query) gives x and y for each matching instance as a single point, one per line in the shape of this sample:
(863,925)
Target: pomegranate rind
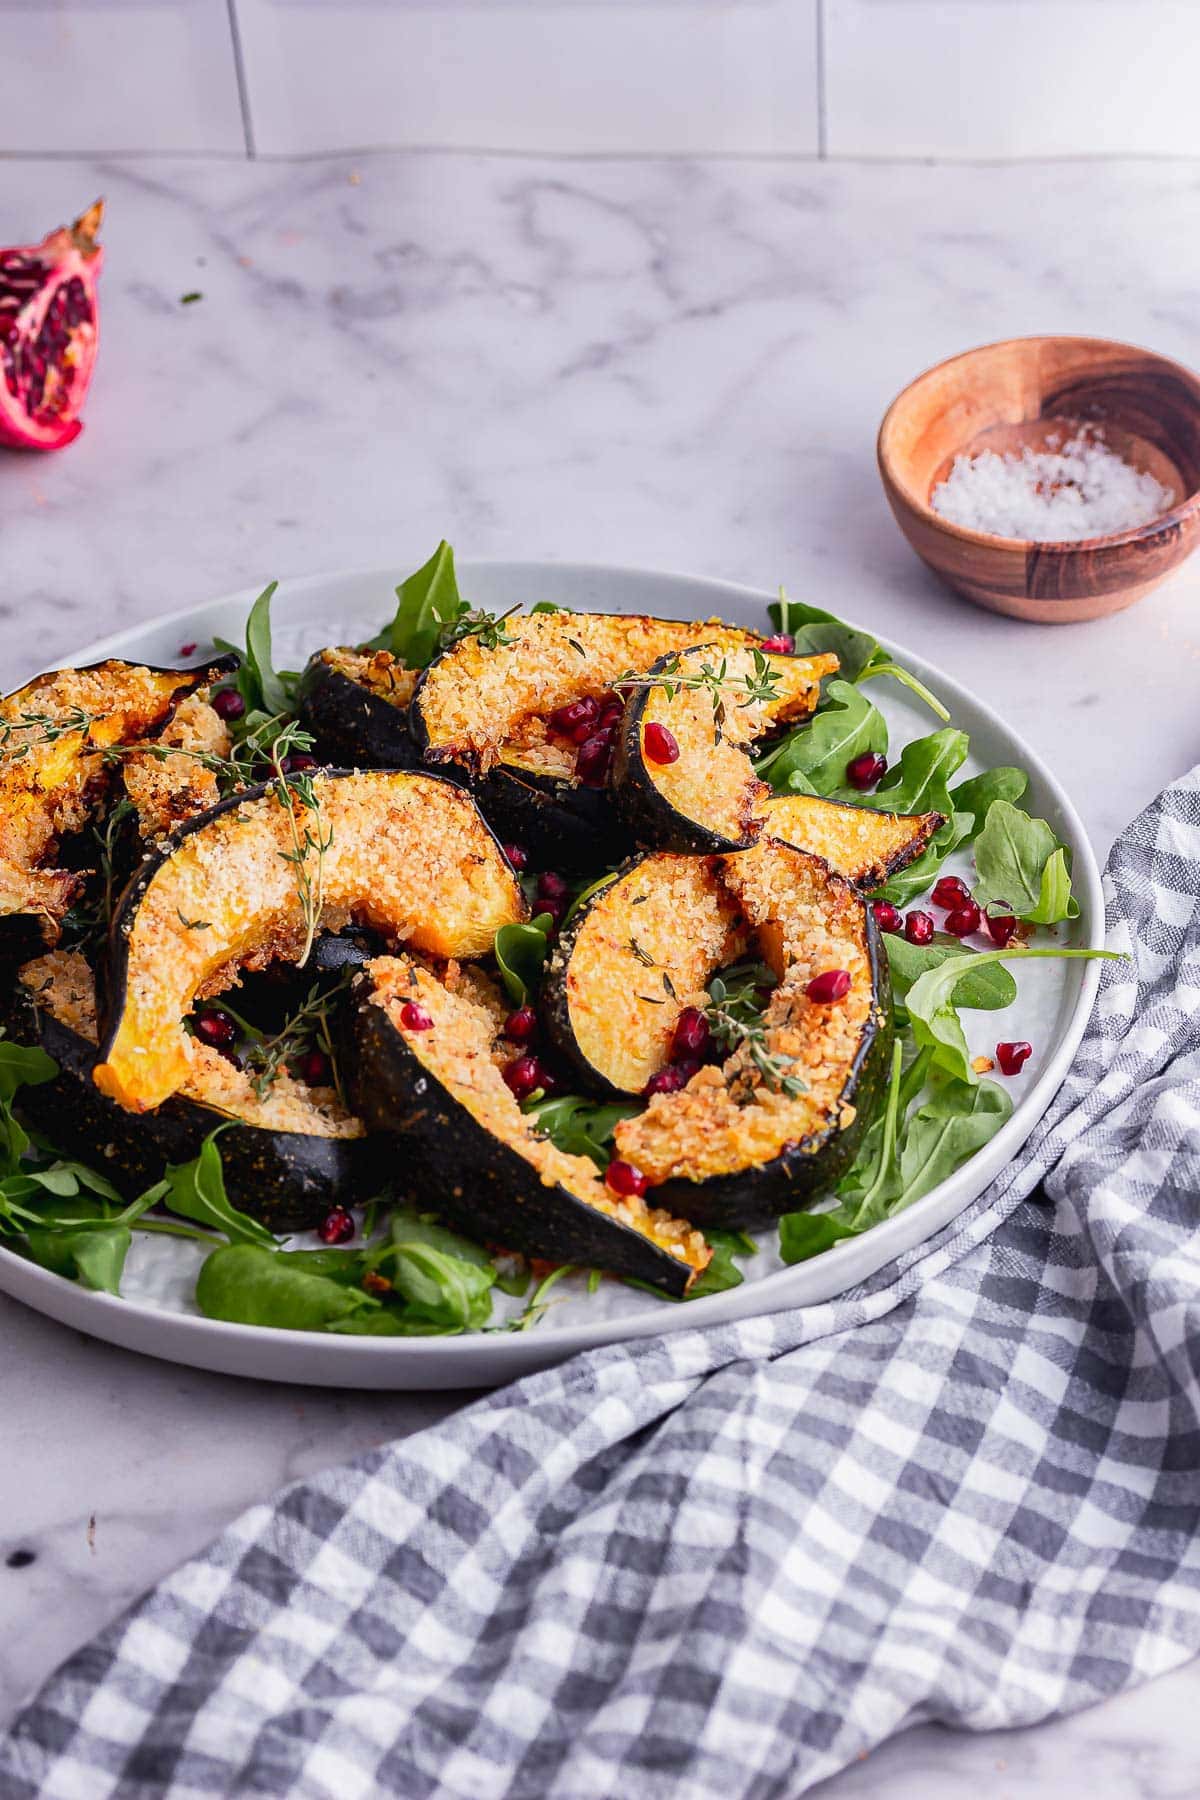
(49,333)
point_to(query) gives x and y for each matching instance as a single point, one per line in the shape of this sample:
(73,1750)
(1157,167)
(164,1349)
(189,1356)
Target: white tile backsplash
(114,75)
(897,78)
(1005,78)
(644,76)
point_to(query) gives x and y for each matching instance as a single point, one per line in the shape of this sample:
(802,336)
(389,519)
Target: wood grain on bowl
(1008,395)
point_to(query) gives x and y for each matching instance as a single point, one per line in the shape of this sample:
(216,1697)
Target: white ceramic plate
(157,1315)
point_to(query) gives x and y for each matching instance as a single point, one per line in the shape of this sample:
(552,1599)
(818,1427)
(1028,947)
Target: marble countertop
(664,363)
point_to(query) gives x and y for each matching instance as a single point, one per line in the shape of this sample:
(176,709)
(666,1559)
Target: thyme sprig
(756,686)
(308,1028)
(41,728)
(487,627)
(735,1018)
(88,920)
(297,795)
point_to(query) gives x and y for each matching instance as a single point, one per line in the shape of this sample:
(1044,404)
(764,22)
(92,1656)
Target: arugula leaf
(918,782)
(21,1065)
(447,1291)
(273,696)
(882,664)
(955,1122)
(93,1255)
(426,602)
(989,989)
(803,1235)
(585,893)
(812,759)
(1021,863)
(196,1190)
(816,632)
(409,1227)
(931,1003)
(521,952)
(581,1127)
(251,1285)
(976,794)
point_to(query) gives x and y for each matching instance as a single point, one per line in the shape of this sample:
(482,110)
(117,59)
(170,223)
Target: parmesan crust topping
(407,854)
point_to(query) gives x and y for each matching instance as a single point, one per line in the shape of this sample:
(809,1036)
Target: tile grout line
(822,120)
(239,66)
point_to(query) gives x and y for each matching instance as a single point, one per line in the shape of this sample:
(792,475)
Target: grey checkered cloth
(728,1562)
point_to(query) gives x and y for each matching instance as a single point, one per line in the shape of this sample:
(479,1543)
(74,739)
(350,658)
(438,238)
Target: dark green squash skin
(287,1179)
(353,727)
(559,824)
(648,817)
(480,1186)
(752,1198)
(23,935)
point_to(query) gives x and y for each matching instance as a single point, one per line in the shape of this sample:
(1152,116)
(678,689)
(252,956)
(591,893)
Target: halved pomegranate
(48,333)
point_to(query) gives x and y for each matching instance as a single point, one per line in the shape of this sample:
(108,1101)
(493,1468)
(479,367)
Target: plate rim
(715,1309)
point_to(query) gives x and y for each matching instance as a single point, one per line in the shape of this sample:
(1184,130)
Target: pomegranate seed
(525,1074)
(964,919)
(228,703)
(691,1035)
(623,1178)
(337,1227)
(298,764)
(660,744)
(667,1081)
(887,916)
(862,772)
(832,984)
(782,644)
(516,855)
(1001,926)
(567,720)
(1013,1057)
(918,928)
(187,649)
(611,715)
(316,1069)
(551,886)
(414,1017)
(212,1026)
(521,1025)
(950,892)
(594,759)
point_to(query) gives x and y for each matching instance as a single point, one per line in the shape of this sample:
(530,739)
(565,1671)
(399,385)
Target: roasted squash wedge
(734,1147)
(355,703)
(683,779)
(54,777)
(484,712)
(865,845)
(471,1153)
(637,953)
(405,854)
(286,1158)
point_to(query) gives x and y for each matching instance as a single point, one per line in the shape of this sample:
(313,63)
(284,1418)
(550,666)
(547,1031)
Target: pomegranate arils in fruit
(887,916)
(337,1227)
(316,1069)
(830,985)
(522,1025)
(782,644)
(48,334)
(624,1178)
(516,855)
(964,919)
(691,1035)
(1001,927)
(414,1017)
(214,1027)
(950,892)
(918,928)
(659,744)
(1013,1057)
(862,772)
(228,704)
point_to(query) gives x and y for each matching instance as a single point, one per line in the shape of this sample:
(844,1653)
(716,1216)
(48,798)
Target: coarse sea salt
(1072,490)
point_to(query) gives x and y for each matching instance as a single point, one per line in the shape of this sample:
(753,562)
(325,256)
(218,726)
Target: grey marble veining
(672,364)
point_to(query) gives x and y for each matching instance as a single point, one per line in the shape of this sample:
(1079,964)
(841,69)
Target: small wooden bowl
(1020,392)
